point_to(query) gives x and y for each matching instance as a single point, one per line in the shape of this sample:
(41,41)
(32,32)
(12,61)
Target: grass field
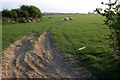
(69,36)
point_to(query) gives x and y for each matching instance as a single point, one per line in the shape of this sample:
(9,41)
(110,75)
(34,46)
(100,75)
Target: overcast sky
(63,6)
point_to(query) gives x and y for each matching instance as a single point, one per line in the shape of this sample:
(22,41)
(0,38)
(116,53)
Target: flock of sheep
(65,19)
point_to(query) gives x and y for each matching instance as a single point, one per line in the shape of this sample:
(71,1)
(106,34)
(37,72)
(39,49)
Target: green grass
(69,36)
(85,30)
(13,32)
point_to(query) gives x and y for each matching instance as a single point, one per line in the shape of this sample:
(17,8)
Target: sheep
(67,19)
(71,18)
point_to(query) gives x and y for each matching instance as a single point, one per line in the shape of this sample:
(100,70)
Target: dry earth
(33,57)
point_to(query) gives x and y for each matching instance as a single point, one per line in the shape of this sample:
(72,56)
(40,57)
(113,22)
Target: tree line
(23,14)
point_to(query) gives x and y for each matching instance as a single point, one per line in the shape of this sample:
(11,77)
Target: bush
(22,20)
(23,14)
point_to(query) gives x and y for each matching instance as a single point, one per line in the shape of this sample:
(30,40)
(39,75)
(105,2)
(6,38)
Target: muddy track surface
(33,57)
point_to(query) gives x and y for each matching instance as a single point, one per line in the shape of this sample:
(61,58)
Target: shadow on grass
(102,65)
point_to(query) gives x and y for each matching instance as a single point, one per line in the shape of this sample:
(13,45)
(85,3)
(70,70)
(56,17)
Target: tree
(25,14)
(14,15)
(25,10)
(22,13)
(6,13)
(35,12)
(112,19)
(32,10)
(25,7)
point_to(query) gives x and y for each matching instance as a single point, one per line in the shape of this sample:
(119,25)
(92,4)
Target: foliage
(25,7)
(112,19)
(14,15)
(22,20)
(23,12)
(6,13)
(35,12)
